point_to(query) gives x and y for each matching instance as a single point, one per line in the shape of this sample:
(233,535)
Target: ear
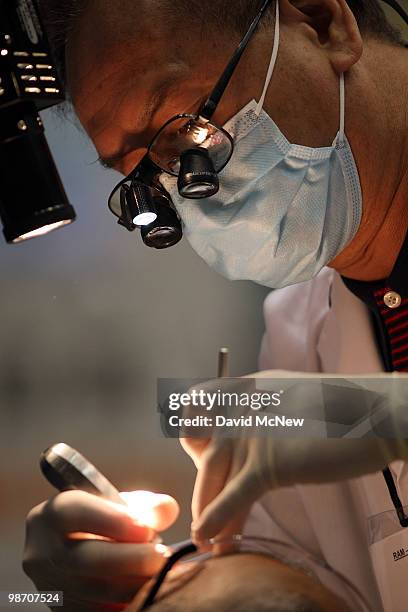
(331,25)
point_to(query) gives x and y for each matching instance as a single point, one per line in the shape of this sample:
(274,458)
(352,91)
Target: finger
(217,470)
(155,510)
(195,447)
(197,422)
(99,559)
(226,385)
(216,395)
(240,492)
(236,521)
(76,511)
(224,540)
(212,475)
(234,525)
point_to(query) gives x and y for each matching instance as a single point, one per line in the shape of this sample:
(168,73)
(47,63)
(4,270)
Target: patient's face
(241,582)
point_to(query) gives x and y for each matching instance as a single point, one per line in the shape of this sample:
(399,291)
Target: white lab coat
(320,326)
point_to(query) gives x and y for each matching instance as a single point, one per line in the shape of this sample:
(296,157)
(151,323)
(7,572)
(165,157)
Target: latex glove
(97,572)
(234,472)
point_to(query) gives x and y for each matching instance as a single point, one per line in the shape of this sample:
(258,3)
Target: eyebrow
(110,162)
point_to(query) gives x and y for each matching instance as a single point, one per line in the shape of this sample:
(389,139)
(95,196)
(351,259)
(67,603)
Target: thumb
(234,501)
(155,510)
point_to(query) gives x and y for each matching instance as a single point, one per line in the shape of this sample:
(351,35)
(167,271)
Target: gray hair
(60,16)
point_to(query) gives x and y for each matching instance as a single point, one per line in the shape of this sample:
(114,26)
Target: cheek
(303,96)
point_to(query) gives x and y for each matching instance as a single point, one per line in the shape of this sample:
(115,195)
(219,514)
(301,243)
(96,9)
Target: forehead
(100,71)
(114,76)
(108,98)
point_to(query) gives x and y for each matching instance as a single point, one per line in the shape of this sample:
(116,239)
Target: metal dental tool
(223,363)
(66,469)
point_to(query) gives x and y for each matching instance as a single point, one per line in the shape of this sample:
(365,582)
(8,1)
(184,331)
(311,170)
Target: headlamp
(149,210)
(32,199)
(138,204)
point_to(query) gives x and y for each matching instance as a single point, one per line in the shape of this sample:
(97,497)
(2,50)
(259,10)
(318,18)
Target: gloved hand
(234,472)
(93,550)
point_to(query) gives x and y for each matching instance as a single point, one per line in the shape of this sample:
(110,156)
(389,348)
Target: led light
(4,52)
(145,219)
(143,506)
(162,549)
(33,203)
(199,134)
(41,231)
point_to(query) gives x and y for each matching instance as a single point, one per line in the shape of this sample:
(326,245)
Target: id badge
(389,555)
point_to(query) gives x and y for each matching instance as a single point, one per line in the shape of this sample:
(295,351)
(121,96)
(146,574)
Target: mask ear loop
(341,135)
(272,63)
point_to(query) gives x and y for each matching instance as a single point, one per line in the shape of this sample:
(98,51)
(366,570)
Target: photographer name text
(251,420)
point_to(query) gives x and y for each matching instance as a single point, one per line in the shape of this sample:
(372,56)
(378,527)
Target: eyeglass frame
(146,171)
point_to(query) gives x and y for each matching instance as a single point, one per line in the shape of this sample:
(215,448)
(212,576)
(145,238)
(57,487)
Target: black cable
(176,556)
(209,107)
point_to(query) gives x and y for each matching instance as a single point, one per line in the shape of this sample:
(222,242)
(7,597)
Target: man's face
(131,69)
(241,582)
(126,84)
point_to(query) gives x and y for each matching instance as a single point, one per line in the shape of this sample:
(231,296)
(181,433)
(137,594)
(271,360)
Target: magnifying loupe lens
(197,177)
(184,133)
(166,230)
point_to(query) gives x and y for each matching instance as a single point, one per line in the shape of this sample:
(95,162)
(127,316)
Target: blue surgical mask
(283,211)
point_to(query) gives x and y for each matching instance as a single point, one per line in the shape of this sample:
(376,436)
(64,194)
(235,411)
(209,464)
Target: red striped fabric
(396,324)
